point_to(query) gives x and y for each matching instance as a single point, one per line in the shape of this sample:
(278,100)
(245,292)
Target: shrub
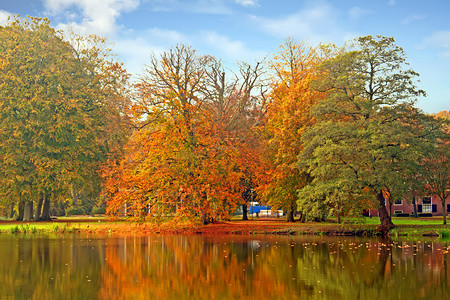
(14,229)
(98,211)
(25,228)
(74,211)
(444,233)
(401,215)
(424,215)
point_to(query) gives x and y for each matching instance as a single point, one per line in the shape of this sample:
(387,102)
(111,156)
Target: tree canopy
(287,119)
(54,99)
(191,150)
(365,139)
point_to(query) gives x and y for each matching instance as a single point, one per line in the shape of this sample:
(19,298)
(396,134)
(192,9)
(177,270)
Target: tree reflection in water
(227,267)
(285,268)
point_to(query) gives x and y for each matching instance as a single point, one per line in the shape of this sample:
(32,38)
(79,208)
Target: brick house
(426,204)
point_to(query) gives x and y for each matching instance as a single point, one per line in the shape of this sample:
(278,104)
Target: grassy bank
(102,226)
(60,225)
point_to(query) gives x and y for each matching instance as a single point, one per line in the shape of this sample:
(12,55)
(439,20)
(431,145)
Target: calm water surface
(228,267)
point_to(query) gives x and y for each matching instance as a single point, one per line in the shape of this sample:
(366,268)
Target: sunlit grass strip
(50,227)
(405,227)
(395,220)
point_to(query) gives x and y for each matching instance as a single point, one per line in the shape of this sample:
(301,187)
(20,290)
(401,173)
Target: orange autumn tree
(238,107)
(183,159)
(288,117)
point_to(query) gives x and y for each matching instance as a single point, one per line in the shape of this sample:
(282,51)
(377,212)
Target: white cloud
(4,15)
(97,16)
(316,23)
(214,7)
(247,2)
(135,51)
(411,18)
(358,12)
(391,2)
(439,40)
(166,36)
(233,49)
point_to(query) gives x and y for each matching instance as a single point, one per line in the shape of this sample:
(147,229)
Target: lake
(221,267)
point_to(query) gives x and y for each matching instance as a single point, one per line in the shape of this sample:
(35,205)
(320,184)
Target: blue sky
(247,30)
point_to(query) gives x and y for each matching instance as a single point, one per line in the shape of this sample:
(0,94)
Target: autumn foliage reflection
(223,267)
(233,267)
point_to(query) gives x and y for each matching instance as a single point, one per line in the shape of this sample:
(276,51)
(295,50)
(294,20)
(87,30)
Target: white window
(426,208)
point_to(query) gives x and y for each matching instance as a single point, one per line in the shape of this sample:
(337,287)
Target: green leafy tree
(54,99)
(436,165)
(364,140)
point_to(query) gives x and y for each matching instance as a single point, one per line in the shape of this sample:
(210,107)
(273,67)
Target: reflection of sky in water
(225,267)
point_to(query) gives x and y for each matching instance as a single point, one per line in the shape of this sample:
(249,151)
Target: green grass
(39,228)
(64,224)
(405,227)
(395,220)
(25,228)
(418,221)
(43,227)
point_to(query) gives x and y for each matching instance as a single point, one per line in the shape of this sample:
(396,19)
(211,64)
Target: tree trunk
(390,207)
(21,210)
(28,211)
(11,213)
(39,207)
(415,206)
(444,212)
(290,214)
(385,219)
(244,212)
(74,193)
(338,213)
(46,208)
(302,217)
(206,219)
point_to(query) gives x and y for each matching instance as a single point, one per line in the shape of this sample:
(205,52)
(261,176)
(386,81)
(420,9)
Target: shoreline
(103,226)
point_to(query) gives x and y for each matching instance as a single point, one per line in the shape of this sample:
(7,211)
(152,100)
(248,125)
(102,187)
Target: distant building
(426,204)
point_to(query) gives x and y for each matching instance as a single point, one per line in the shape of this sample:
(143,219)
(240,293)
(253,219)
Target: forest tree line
(314,130)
